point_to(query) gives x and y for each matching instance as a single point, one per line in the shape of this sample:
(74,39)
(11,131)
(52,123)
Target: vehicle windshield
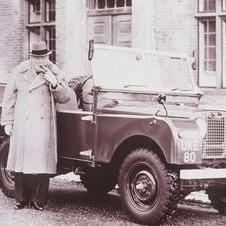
(127,68)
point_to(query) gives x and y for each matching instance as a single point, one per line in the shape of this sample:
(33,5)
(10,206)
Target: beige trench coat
(29,105)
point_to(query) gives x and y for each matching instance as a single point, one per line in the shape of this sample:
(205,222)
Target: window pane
(205,26)
(205,39)
(129,2)
(207,5)
(34,11)
(212,26)
(205,66)
(212,5)
(110,3)
(212,53)
(91,4)
(34,36)
(50,10)
(223,5)
(205,53)
(101,4)
(120,3)
(212,66)
(212,40)
(50,36)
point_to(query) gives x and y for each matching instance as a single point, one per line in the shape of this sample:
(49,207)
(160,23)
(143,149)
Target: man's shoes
(37,206)
(19,205)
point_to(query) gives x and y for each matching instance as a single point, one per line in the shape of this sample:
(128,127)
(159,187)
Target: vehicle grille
(214,145)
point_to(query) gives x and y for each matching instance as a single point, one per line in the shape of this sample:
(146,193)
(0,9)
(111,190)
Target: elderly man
(28,116)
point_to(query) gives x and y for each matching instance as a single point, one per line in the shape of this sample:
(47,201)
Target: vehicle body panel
(75,133)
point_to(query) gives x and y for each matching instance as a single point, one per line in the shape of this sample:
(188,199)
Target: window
(224,52)
(212,43)
(50,10)
(34,11)
(209,45)
(207,5)
(50,38)
(108,4)
(207,50)
(33,36)
(41,24)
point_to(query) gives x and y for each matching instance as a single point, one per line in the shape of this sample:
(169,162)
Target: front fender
(112,130)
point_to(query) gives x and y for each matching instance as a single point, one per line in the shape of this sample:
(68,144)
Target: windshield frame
(98,48)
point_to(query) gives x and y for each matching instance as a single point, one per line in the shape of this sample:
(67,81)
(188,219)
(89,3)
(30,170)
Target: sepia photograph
(112,112)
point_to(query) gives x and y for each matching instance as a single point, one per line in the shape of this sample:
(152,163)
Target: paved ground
(70,204)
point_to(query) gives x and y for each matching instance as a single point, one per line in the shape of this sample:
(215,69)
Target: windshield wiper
(178,89)
(126,86)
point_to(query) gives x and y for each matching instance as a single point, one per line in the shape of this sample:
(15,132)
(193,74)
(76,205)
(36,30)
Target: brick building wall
(175,26)
(71,39)
(143,24)
(12,39)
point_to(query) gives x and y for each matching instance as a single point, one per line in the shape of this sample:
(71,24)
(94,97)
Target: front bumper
(202,174)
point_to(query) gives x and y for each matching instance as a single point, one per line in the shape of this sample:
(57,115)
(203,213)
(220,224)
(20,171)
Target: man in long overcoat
(28,116)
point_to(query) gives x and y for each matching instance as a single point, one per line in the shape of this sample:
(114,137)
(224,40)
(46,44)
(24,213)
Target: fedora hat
(39,49)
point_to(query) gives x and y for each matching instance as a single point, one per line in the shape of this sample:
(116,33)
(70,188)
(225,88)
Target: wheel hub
(144,186)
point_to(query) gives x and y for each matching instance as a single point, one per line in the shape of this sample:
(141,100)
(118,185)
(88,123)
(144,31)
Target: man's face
(40,60)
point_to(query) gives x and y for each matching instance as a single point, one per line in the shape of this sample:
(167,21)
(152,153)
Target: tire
(217,196)
(148,190)
(98,180)
(6,177)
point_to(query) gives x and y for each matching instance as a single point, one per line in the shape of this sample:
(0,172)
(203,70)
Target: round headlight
(202,124)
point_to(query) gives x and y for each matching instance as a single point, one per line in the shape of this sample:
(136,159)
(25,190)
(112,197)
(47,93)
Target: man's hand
(50,77)
(8,130)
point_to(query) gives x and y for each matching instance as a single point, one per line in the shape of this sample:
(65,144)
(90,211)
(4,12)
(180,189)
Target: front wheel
(147,188)
(6,177)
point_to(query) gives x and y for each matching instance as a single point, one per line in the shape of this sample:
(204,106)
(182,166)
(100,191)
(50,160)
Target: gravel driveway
(70,204)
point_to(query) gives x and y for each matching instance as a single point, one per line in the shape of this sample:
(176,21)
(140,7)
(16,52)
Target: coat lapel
(37,81)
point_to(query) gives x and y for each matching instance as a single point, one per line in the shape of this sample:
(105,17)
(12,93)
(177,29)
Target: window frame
(32,30)
(223,6)
(220,16)
(47,10)
(49,40)
(108,10)
(36,13)
(208,10)
(43,25)
(202,58)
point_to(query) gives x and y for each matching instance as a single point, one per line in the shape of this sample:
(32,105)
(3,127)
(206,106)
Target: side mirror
(91,50)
